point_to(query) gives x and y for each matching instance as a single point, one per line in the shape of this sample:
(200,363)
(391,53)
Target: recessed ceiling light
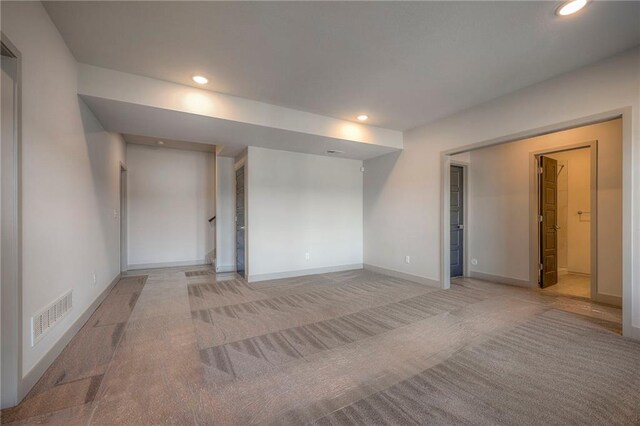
(571,7)
(363,117)
(200,79)
(160,143)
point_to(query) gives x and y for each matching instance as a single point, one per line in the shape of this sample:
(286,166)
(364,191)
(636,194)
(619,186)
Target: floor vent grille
(47,318)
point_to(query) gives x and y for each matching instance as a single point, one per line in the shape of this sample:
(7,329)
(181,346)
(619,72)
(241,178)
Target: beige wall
(499,205)
(70,183)
(225,215)
(574,194)
(169,204)
(403,191)
(301,204)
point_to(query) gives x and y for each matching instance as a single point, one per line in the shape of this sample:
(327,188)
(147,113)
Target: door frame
(629,237)
(241,161)
(534,212)
(465,214)
(11,379)
(124,253)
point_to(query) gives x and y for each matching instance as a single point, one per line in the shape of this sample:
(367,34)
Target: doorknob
(240,227)
(556,227)
(460,226)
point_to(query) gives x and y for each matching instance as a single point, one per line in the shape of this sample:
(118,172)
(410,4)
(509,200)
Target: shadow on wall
(104,167)
(376,184)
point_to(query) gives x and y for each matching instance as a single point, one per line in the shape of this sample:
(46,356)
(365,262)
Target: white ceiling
(144,124)
(168,143)
(403,63)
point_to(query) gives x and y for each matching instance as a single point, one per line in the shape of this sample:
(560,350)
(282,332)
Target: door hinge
(540,218)
(540,170)
(541,267)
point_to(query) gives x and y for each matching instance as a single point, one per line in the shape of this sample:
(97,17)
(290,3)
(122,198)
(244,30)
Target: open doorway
(502,209)
(565,186)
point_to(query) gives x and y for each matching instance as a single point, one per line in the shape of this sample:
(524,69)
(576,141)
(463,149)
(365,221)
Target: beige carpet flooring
(183,346)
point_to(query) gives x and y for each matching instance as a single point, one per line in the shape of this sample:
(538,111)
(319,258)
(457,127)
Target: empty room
(331,213)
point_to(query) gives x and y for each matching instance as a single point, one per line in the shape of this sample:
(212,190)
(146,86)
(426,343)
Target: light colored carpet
(554,369)
(186,346)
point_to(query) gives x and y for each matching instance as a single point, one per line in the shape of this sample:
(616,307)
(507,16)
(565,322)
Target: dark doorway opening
(457,221)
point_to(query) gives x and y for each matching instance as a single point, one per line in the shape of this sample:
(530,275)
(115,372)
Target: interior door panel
(457,221)
(549,215)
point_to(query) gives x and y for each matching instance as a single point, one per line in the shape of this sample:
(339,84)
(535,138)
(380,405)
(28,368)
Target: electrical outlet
(407,259)
(307,256)
(95,279)
(115,214)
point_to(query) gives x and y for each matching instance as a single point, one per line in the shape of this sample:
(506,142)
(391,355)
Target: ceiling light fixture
(200,79)
(571,7)
(160,143)
(363,117)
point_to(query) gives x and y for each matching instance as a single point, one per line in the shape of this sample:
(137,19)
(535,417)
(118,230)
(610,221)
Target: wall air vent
(42,322)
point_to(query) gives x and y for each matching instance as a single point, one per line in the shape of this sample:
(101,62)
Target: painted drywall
(211,208)
(169,204)
(225,212)
(70,180)
(10,291)
(499,204)
(135,90)
(402,191)
(574,195)
(298,204)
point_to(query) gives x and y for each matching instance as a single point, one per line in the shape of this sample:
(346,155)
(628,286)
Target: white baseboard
(302,272)
(403,275)
(225,268)
(32,377)
(499,279)
(583,274)
(632,333)
(563,271)
(200,262)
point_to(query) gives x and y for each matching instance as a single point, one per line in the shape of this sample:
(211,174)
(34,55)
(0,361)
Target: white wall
(298,204)
(238,121)
(402,204)
(169,204)
(211,207)
(70,180)
(225,215)
(499,204)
